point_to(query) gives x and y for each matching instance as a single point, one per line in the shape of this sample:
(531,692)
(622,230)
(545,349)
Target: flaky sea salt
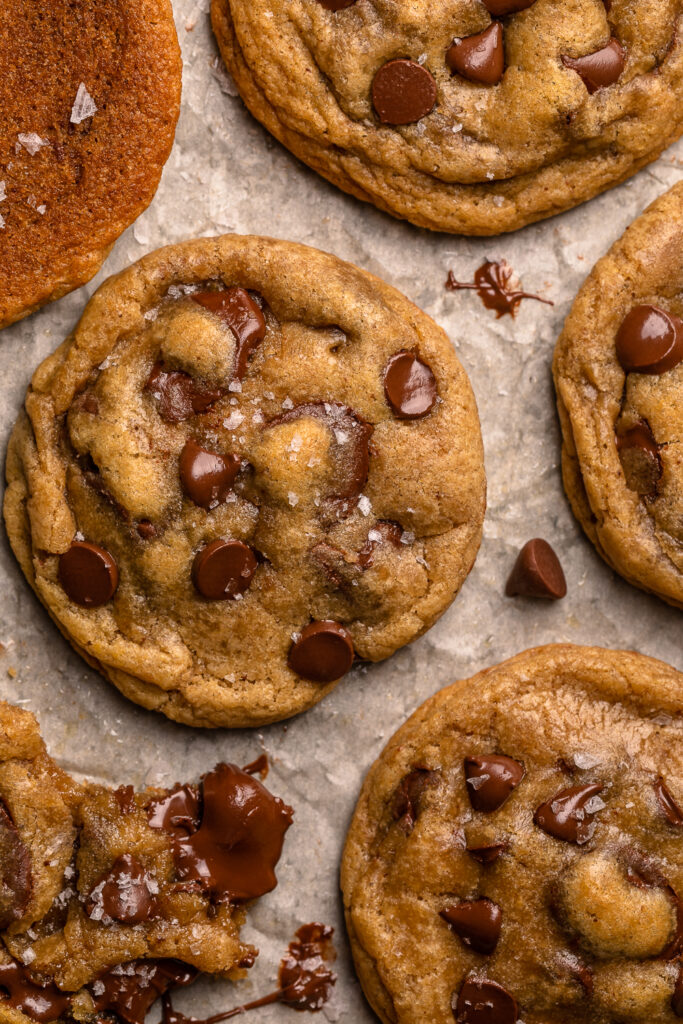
(84,106)
(288,403)
(293,498)
(32,142)
(364,505)
(583,760)
(2,222)
(234,419)
(3,192)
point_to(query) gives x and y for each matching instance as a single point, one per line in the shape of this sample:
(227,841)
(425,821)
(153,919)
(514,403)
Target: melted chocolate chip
(260,766)
(600,69)
(490,779)
(125,798)
(566,815)
(233,853)
(125,893)
(223,569)
(88,574)
(236,308)
(499,8)
(16,878)
(640,459)
(484,1002)
(383,532)
(476,922)
(479,58)
(207,477)
(649,340)
(409,386)
(673,812)
(403,92)
(537,573)
(487,854)
(409,797)
(492,285)
(179,395)
(322,652)
(177,813)
(128,990)
(39,1002)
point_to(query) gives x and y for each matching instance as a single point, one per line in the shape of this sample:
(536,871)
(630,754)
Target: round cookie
(516,855)
(619,378)
(89,99)
(250,464)
(470,116)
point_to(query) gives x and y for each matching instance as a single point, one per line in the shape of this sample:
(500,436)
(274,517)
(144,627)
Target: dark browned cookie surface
(516,855)
(471,116)
(250,464)
(89,99)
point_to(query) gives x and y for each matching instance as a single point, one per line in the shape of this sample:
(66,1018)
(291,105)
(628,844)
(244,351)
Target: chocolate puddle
(492,285)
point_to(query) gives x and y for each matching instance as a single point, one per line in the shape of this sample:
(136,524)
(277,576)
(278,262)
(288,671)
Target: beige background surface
(227,174)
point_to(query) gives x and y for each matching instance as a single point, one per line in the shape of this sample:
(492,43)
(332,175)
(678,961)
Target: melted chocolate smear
(177,813)
(178,394)
(125,798)
(492,285)
(409,797)
(16,880)
(238,311)
(260,766)
(129,990)
(305,979)
(233,853)
(39,1003)
(673,812)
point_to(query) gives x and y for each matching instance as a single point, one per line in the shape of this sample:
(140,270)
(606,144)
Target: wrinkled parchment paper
(227,174)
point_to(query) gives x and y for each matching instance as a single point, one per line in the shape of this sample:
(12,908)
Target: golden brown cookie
(619,378)
(250,464)
(110,897)
(516,853)
(471,116)
(89,99)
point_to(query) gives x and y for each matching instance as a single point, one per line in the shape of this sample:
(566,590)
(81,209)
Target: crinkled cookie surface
(249,465)
(619,377)
(516,855)
(472,116)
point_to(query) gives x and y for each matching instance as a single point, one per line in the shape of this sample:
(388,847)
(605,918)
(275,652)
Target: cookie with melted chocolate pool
(250,466)
(619,378)
(109,898)
(516,852)
(470,116)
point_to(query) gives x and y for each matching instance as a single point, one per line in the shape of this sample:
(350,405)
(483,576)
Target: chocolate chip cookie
(250,465)
(516,851)
(619,378)
(89,99)
(471,116)
(109,897)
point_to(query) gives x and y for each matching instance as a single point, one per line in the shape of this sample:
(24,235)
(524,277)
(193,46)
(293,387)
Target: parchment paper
(227,174)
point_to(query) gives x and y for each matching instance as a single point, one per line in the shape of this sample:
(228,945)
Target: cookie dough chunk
(249,465)
(471,116)
(516,854)
(110,897)
(619,378)
(89,99)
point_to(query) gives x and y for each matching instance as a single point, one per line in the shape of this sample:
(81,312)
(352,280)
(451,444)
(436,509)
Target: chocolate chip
(479,58)
(88,574)
(146,530)
(649,340)
(207,477)
(484,1002)
(322,652)
(537,573)
(640,459)
(233,853)
(177,812)
(487,854)
(129,989)
(223,569)
(409,797)
(490,780)
(598,69)
(383,532)
(238,311)
(673,812)
(403,92)
(476,922)
(568,815)
(41,1003)
(409,386)
(16,877)
(179,395)
(125,893)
